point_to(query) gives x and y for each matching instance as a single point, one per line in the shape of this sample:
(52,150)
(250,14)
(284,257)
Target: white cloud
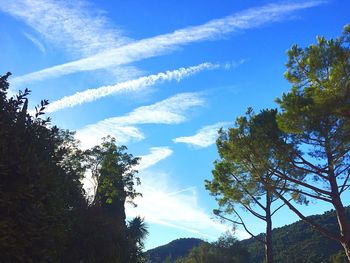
(169,111)
(156,155)
(72,25)
(163,203)
(161,44)
(130,85)
(76,27)
(91,135)
(36,42)
(205,137)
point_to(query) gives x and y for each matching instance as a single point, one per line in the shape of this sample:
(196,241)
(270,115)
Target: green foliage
(113,170)
(320,95)
(225,250)
(38,192)
(45,216)
(250,153)
(172,251)
(339,257)
(298,242)
(102,226)
(243,173)
(318,104)
(316,115)
(137,232)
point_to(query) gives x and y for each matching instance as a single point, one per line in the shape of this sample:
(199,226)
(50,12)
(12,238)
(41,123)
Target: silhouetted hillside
(173,250)
(295,243)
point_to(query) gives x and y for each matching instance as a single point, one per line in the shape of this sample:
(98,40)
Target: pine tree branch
(256,214)
(241,222)
(308,194)
(295,164)
(248,193)
(307,220)
(345,186)
(278,208)
(316,168)
(299,182)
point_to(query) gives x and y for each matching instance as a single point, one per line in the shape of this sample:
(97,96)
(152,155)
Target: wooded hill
(173,250)
(292,243)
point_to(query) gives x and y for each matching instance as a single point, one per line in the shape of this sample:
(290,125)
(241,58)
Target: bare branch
(278,208)
(242,224)
(345,184)
(341,171)
(256,214)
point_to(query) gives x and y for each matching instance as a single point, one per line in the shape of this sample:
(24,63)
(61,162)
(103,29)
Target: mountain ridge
(296,242)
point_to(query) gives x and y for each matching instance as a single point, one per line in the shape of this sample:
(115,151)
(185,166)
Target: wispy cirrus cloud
(129,85)
(172,110)
(161,202)
(205,137)
(156,155)
(36,42)
(161,44)
(77,27)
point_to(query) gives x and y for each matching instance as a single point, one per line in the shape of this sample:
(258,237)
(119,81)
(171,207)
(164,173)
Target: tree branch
(344,184)
(299,182)
(294,163)
(341,171)
(245,190)
(278,208)
(242,224)
(314,225)
(308,194)
(256,214)
(304,161)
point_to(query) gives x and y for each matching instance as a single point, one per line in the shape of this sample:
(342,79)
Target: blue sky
(162,77)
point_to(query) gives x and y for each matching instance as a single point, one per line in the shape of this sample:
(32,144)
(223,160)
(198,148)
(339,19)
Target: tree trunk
(346,246)
(343,223)
(268,238)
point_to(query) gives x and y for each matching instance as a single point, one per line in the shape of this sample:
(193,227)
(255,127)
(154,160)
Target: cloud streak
(205,137)
(162,44)
(70,25)
(36,42)
(161,202)
(169,111)
(130,85)
(156,155)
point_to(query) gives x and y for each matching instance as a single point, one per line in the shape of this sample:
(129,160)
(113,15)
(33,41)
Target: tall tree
(316,114)
(38,193)
(114,173)
(242,175)
(115,240)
